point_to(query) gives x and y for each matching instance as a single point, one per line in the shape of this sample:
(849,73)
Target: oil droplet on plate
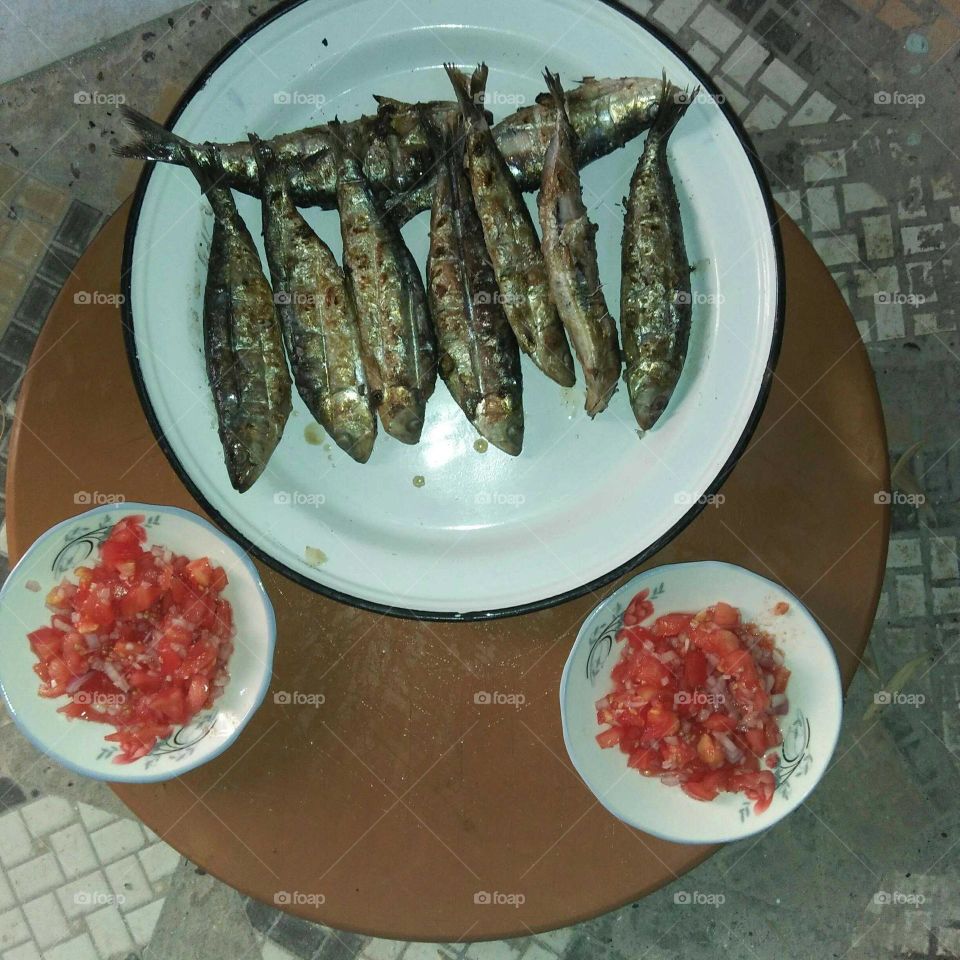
(419,480)
(313,434)
(314,556)
(480,445)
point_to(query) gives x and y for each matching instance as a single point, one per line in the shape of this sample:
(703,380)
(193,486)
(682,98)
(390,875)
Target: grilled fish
(317,315)
(479,358)
(396,335)
(511,238)
(570,253)
(605,114)
(655,299)
(242,342)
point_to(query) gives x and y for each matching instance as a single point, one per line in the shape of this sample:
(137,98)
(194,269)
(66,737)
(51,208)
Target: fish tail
(555,88)
(155,141)
(672,104)
(469,90)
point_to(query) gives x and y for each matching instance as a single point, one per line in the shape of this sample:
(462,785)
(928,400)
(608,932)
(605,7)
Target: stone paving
(851,104)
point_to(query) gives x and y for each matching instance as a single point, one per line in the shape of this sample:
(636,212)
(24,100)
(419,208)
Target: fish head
(499,418)
(402,412)
(650,391)
(351,423)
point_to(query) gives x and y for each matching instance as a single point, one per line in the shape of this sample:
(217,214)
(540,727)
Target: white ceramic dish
(810,729)
(79,744)
(484,534)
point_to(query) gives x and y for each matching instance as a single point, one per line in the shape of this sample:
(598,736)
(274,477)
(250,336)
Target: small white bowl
(810,729)
(79,744)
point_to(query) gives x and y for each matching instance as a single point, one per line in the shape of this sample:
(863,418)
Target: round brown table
(390,807)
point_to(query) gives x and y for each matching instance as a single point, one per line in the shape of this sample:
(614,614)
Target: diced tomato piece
(142,597)
(661,722)
(715,641)
(218,580)
(700,790)
(709,751)
(723,615)
(200,572)
(781,676)
(46,642)
(672,624)
(609,738)
(756,740)
(646,760)
(720,722)
(694,668)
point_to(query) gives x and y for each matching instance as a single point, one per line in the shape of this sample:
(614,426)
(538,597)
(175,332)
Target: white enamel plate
(442,530)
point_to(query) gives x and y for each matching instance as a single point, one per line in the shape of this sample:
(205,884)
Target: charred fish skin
(396,334)
(605,113)
(655,298)
(479,357)
(570,253)
(511,238)
(316,315)
(242,342)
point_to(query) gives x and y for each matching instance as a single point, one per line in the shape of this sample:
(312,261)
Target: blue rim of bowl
(128,507)
(763,390)
(817,630)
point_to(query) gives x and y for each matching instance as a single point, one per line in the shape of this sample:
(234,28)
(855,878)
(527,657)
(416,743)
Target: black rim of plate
(396,611)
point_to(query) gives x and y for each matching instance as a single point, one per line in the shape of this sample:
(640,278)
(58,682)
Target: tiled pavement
(852,105)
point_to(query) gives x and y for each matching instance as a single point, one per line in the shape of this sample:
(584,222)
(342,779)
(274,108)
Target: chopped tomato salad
(695,701)
(140,641)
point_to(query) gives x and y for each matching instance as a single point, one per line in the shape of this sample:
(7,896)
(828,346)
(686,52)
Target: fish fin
(155,141)
(672,104)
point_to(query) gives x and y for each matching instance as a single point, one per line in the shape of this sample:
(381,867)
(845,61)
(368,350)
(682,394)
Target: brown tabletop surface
(389,807)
